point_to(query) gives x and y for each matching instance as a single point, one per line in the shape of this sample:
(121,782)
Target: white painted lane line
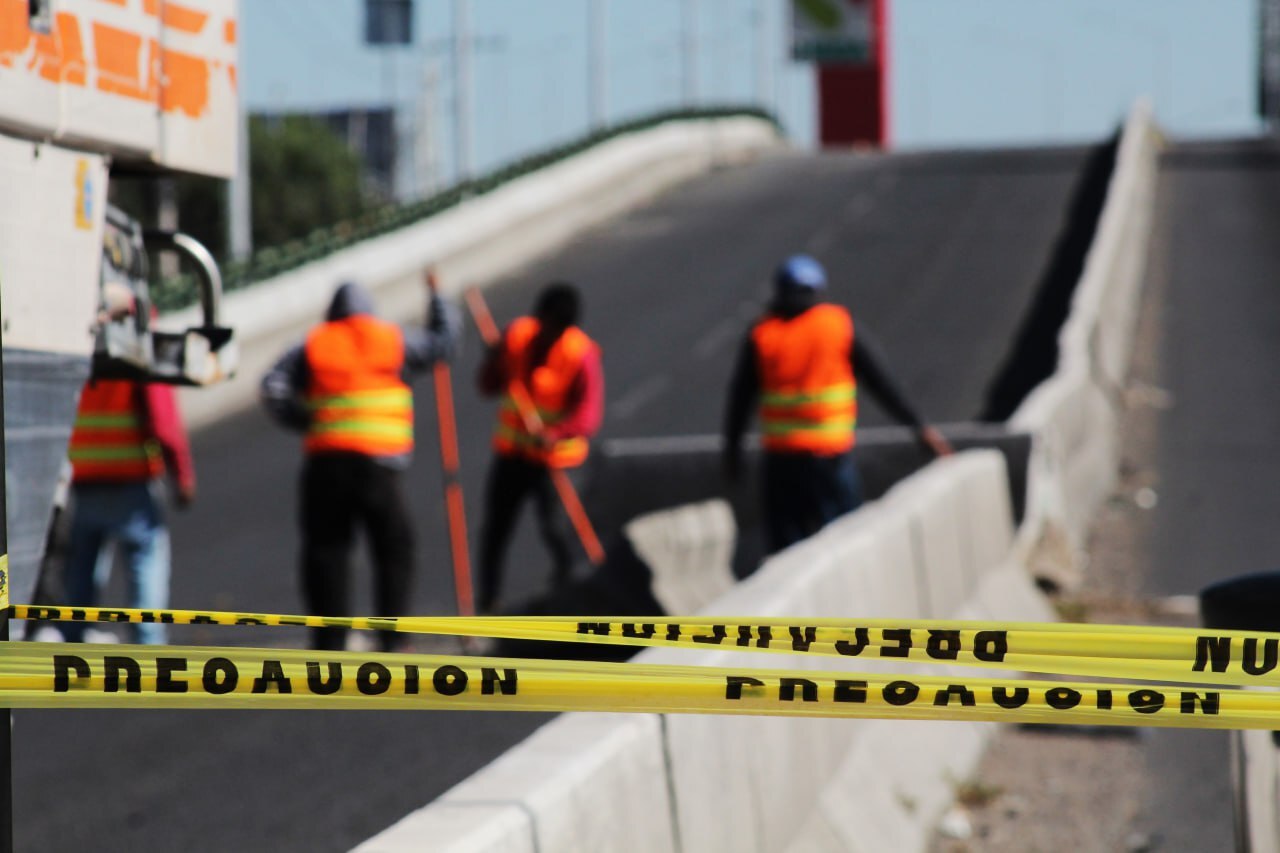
(857,207)
(732,327)
(666,445)
(728,329)
(631,402)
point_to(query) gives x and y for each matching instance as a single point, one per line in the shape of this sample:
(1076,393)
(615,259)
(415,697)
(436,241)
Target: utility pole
(690,38)
(425,159)
(390,70)
(462,94)
(764,55)
(597,76)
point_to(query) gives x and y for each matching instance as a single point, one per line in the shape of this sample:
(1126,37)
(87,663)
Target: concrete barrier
(1075,412)
(763,783)
(583,783)
(934,507)
(761,773)
(898,777)
(986,522)
(473,243)
(468,827)
(873,785)
(1255,770)
(689,551)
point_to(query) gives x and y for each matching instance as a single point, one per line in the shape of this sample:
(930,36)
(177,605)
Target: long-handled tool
(533,424)
(454,506)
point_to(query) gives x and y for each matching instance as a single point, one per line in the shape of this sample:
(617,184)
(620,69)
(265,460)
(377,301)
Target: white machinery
(88,87)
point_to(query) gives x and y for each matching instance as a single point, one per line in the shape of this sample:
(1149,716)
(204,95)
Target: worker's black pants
(339,492)
(804,492)
(511,480)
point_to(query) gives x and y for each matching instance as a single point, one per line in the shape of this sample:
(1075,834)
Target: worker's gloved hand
(935,441)
(184,495)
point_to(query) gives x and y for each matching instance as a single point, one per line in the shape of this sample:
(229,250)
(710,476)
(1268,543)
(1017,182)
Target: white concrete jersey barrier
(472,243)
(1074,414)
(689,550)
(767,783)
(1255,768)
(580,784)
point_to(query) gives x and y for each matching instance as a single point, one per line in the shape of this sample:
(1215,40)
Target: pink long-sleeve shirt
(165,425)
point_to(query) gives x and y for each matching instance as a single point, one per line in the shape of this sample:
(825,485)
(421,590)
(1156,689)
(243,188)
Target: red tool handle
(454,505)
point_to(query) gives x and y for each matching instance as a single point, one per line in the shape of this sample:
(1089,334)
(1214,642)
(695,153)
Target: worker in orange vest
(560,367)
(346,388)
(803,364)
(127,435)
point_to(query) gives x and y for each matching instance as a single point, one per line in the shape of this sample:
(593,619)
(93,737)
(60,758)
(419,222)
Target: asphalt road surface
(938,256)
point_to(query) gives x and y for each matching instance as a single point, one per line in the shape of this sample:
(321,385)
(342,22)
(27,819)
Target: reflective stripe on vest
(109,443)
(548,385)
(357,399)
(809,397)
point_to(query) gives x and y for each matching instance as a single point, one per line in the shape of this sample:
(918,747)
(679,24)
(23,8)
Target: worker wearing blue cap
(802,364)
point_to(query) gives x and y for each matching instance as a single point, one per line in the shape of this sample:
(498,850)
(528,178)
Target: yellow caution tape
(55,675)
(1196,656)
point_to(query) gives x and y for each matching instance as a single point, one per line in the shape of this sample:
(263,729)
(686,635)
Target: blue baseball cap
(800,272)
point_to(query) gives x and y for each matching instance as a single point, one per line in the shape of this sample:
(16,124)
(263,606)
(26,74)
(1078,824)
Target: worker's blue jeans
(131,514)
(803,492)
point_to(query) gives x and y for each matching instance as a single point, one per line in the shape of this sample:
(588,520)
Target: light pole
(764,54)
(689,34)
(460,51)
(462,93)
(597,78)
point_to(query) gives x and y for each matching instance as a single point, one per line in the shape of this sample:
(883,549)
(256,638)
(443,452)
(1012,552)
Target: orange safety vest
(110,443)
(358,401)
(548,386)
(809,397)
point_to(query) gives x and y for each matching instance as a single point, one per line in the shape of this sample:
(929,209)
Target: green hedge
(271,261)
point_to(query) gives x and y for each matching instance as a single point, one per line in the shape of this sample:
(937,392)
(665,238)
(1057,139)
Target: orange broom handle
(529,414)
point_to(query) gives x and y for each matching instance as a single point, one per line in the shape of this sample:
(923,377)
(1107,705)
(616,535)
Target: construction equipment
(93,91)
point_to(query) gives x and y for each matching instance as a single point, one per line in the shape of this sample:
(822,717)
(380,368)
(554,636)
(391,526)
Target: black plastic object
(1244,603)
(622,586)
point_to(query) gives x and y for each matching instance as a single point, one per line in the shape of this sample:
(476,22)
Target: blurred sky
(964,72)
